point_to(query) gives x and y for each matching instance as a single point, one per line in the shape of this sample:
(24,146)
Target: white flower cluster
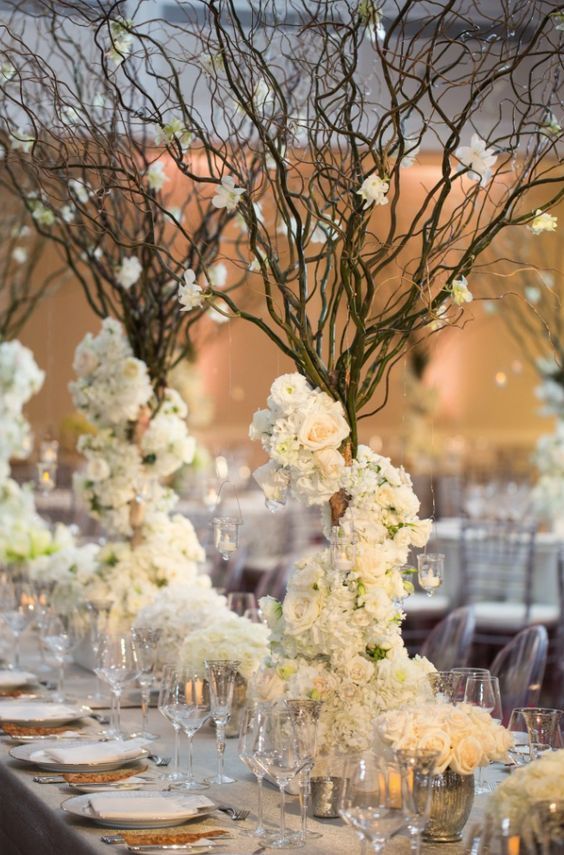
(301,430)
(539,781)
(132,576)
(114,392)
(228,636)
(20,378)
(23,534)
(68,570)
(464,736)
(337,634)
(551,391)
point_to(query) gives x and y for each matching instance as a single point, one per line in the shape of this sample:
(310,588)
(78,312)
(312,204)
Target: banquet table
(32,822)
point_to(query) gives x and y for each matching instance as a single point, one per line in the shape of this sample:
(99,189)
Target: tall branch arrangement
(98,182)
(304,116)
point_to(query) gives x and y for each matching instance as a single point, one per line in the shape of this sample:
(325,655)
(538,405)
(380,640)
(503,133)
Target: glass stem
(415,842)
(118,712)
(17,651)
(305,791)
(98,693)
(113,715)
(260,826)
(282,812)
(220,748)
(61,680)
(176,761)
(190,736)
(145,698)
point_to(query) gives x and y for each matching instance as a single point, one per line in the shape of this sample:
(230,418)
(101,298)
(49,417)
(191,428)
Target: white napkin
(91,752)
(34,711)
(13,679)
(148,807)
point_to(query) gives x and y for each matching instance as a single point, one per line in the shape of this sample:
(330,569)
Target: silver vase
(452,796)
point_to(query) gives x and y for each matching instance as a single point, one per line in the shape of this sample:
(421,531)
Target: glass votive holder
(226,535)
(343,549)
(430,571)
(46,476)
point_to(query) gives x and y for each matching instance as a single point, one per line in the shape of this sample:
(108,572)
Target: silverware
(175,847)
(48,779)
(158,760)
(236,814)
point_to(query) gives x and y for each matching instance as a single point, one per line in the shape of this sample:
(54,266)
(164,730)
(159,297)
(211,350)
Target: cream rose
(330,461)
(438,741)
(467,756)
(360,670)
(85,361)
(301,609)
(323,428)
(97,469)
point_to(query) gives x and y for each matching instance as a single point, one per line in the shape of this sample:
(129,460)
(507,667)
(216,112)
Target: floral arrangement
(301,431)
(133,447)
(337,635)
(227,636)
(66,571)
(548,492)
(131,575)
(24,535)
(538,781)
(20,378)
(464,736)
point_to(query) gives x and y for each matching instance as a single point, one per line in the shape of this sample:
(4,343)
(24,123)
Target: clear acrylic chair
(448,644)
(520,667)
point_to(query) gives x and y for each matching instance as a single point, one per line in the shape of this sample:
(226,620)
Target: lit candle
(428,580)
(226,544)
(394,788)
(513,845)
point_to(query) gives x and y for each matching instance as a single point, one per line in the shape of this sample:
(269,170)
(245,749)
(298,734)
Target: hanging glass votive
(48,451)
(430,571)
(343,549)
(226,535)
(46,477)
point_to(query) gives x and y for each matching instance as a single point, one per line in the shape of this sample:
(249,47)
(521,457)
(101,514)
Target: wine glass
(146,641)
(221,674)
(517,726)
(430,571)
(305,716)
(118,665)
(240,601)
(167,710)
(249,744)
(254,615)
(542,726)
(60,634)
(188,702)
(464,674)
(417,768)
(482,690)
(98,613)
(277,752)
(18,612)
(365,801)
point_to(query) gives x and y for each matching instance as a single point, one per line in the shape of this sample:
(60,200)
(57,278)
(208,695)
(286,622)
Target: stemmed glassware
(221,674)
(430,571)
(240,602)
(305,716)
(188,702)
(146,641)
(117,664)
(18,612)
(445,685)
(482,690)
(60,634)
(464,674)
(277,752)
(417,768)
(365,802)
(98,612)
(166,708)
(542,724)
(517,726)
(249,745)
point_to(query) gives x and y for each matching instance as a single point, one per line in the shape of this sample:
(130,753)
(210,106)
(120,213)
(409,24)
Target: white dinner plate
(80,806)
(40,713)
(24,752)
(15,679)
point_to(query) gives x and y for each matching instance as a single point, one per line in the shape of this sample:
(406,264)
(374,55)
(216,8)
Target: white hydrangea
(228,636)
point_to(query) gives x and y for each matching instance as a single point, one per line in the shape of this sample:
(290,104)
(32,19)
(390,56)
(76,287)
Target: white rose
(132,368)
(466,756)
(360,670)
(97,469)
(438,741)
(330,461)
(85,361)
(323,429)
(289,391)
(262,423)
(271,611)
(301,609)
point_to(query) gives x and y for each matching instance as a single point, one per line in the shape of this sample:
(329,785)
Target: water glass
(117,664)
(277,752)
(188,704)
(517,726)
(59,636)
(98,613)
(542,729)
(365,801)
(430,571)
(464,674)
(417,769)
(482,690)
(305,716)
(167,710)
(249,745)
(146,642)
(221,674)
(18,611)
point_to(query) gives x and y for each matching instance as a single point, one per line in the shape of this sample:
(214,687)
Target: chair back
(275,582)
(235,571)
(520,667)
(448,644)
(496,560)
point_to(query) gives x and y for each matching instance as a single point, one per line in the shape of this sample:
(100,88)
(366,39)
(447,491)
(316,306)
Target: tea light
(428,580)
(226,544)
(513,845)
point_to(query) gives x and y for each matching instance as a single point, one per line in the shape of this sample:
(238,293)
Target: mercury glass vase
(451,802)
